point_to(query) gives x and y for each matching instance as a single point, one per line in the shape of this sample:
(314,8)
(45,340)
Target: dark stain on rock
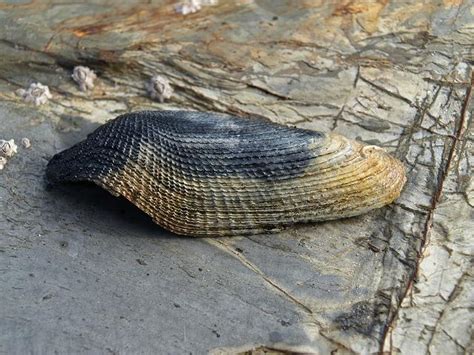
(360,318)
(374,125)
(276,337)
(141,262)
(216,333)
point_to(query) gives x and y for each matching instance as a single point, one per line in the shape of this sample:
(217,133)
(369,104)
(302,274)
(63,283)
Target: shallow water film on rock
(85,271)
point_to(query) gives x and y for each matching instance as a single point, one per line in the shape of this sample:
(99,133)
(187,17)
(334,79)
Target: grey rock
(397,279)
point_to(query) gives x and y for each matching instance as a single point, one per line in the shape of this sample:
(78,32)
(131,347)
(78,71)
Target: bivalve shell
(209,174)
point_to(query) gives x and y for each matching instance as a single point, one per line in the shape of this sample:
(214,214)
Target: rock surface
(83,271)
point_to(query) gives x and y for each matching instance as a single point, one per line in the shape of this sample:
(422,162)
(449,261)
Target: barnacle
(159,88)
(208,174)
(36,93)
(84,77)
(8,148)
(3,162)
(25,142)
(187,7)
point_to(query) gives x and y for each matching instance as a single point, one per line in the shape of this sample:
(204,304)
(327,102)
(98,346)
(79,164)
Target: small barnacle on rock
(37,93)
(3,162)
(159,88)
(25,142)
(84,77)
(191,6)
(188,7)
(7,148)
(370,149)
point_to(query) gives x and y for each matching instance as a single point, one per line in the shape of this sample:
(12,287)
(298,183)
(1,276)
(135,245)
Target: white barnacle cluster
(84,77)
(36,93)
(187,7)
(7,150)
(159,88)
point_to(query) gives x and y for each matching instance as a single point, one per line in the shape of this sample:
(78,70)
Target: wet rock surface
(392,74)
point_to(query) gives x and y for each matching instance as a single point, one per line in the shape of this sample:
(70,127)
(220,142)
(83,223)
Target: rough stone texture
(83,271)
(436,314)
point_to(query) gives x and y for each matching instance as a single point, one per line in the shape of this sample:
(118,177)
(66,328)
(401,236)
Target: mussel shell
(208,174)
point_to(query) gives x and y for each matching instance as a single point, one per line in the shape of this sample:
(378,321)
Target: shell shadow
(95,209)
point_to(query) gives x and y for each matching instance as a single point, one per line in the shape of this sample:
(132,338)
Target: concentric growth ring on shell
(209,174)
